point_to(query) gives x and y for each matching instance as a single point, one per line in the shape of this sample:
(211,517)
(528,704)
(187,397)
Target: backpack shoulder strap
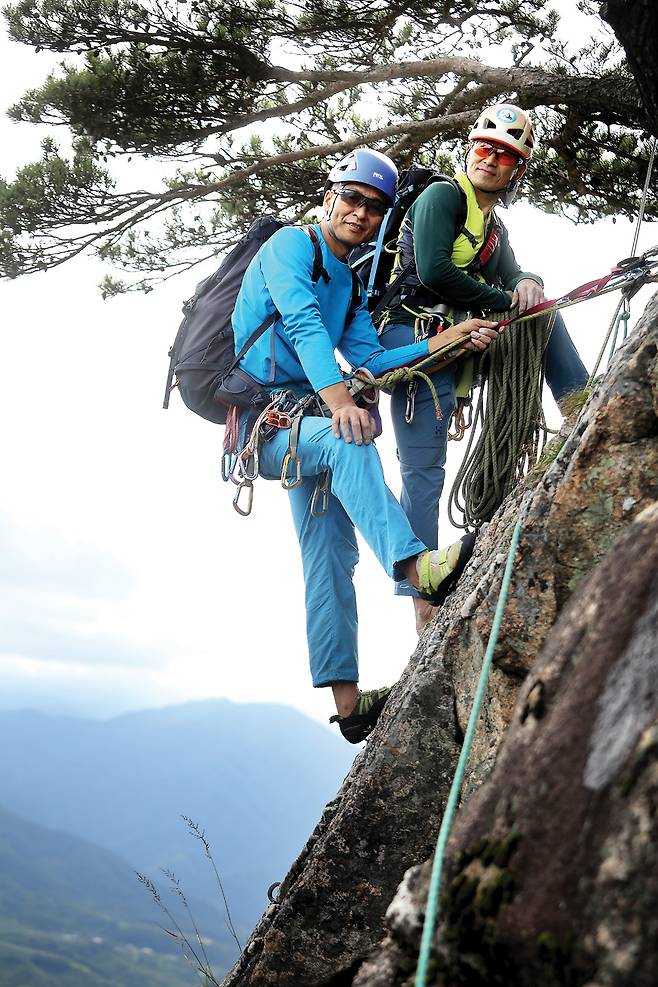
(460,227)
(318,267)
(497,231)
(400,278)
(357,286)
(463,205)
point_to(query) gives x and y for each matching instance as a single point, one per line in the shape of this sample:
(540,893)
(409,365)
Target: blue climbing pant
(422,445)
(358,497)
(565,371)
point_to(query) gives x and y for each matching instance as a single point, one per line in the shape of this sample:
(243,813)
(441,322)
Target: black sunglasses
(374,207)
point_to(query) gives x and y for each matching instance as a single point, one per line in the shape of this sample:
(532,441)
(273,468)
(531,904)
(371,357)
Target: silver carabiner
(242,471)
(412,387)
(250,472)
(236,475)
(227,466)
(248,485)
(363,390)
(320,496)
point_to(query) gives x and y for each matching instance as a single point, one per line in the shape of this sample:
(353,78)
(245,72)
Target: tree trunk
(635,22)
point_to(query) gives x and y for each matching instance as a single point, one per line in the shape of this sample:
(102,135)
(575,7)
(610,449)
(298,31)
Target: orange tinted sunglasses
(504,157)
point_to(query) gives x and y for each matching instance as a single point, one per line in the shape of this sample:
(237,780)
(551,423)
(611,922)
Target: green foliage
(143,101)
(210,86)
(51,190)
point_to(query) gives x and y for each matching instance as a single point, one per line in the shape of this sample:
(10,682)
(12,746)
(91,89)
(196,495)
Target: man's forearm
(336,396)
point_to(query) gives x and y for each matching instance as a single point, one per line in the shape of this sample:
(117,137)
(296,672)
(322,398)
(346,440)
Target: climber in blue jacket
(297,354)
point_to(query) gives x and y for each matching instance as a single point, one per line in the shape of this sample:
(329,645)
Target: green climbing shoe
(439,571)
(360,722)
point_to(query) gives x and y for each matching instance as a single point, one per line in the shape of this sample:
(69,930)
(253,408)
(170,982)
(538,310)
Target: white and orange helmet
(507,125)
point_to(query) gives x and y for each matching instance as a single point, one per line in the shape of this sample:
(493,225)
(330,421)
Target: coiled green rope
(512,429)
(431,909)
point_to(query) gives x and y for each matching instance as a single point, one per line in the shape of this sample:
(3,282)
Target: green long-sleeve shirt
(431,234)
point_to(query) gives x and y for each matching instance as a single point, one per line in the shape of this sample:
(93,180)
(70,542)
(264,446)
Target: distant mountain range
(254,777)
(72,913)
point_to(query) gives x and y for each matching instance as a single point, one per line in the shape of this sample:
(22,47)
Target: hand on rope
(473,335)
(629,275)
(526,295)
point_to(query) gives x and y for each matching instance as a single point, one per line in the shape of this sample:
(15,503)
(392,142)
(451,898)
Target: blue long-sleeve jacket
(312,321)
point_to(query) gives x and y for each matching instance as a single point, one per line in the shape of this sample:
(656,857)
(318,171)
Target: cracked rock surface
(550,861)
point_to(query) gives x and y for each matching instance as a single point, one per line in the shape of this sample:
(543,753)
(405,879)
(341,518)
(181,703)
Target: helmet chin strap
(506,195)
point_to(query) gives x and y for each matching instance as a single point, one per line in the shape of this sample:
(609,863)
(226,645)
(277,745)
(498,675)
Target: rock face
(551,871)
(552,874)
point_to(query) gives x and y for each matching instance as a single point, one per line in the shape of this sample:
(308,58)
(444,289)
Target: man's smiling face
(354,222)
(488,174)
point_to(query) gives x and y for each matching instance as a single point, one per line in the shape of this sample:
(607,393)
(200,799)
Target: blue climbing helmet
(367,168)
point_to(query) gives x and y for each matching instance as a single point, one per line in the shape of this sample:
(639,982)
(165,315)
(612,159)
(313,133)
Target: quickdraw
(320,498)
(410,408)
(292,457)
(285,411)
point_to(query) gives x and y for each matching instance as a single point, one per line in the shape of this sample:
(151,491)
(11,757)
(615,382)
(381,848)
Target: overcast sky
(127,578)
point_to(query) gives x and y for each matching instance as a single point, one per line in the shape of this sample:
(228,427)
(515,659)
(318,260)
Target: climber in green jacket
(460,260)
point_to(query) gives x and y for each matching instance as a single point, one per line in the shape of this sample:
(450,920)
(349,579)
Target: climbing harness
(431,908)
(285,411)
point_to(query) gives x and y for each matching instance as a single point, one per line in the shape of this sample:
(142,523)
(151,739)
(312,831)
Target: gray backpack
(203,360)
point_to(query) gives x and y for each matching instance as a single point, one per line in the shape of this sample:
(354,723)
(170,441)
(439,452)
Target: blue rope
(432,906)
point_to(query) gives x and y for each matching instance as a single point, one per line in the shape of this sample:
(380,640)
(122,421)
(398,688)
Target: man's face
(356,212)
(493,171)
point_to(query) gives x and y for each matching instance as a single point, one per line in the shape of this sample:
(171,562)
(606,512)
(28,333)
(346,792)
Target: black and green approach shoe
(360,722)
